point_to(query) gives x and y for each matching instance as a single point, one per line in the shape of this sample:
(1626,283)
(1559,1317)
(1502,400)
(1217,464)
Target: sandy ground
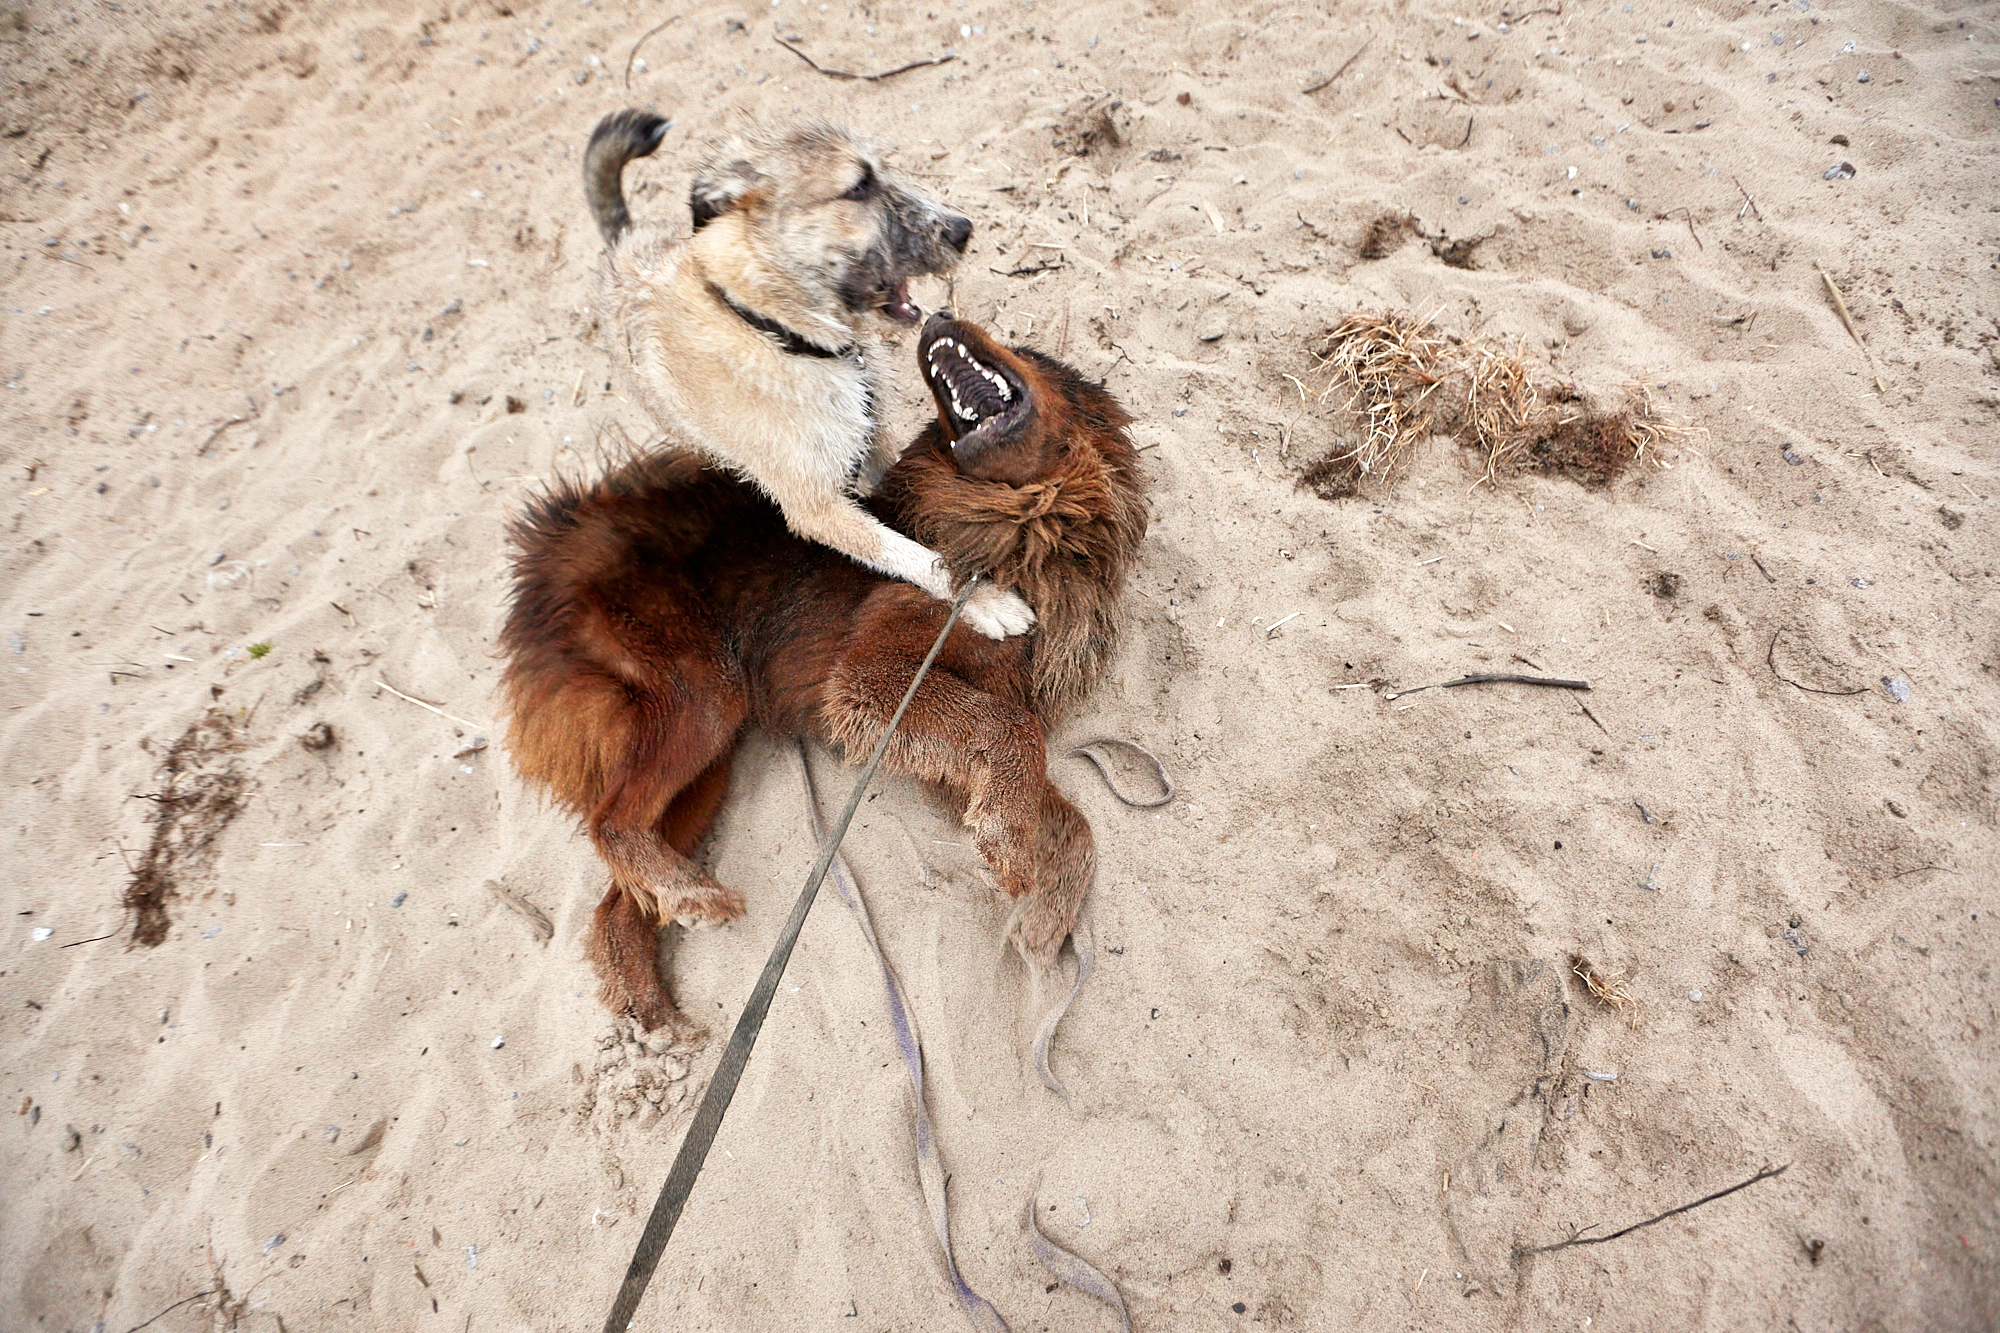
(273,274)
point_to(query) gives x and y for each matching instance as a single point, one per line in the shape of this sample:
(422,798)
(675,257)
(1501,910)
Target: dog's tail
(619,137)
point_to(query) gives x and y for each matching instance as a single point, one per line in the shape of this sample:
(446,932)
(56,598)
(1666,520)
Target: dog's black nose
(958,231)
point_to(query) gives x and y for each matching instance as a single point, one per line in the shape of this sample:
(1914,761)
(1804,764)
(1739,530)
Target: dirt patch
(205,789)
(1382,237)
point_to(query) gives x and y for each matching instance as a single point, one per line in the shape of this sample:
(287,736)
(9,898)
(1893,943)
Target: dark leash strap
(729,1071)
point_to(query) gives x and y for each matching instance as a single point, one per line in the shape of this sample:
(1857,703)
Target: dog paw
(997,613)
(712,905)
(1038,929)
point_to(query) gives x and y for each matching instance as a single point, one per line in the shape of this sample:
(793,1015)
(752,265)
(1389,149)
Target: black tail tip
(636,133)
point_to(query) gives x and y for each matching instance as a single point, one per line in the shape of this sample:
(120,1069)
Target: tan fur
(803,228)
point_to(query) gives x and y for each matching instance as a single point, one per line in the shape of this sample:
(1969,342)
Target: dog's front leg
(986,749)
(1065,861)
(860,536)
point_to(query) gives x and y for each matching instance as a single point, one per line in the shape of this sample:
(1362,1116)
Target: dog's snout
(958,231)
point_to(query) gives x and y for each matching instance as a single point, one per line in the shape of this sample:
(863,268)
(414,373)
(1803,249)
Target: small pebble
(1596,1077)
(274,1242)
(1842,171)
(472,1256)
(40,933)
(1898,688)
(211,932)
(498,1042)
(1663,254)
(1862,77)
(1632,204)
(1858,582)
(1695,995)
(398,900)
(16,644)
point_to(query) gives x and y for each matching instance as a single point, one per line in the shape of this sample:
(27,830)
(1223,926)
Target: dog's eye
(864,187)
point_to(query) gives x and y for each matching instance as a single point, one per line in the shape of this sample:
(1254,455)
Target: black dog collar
(789,340)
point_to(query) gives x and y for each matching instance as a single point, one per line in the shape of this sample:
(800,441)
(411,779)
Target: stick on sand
(1840,308)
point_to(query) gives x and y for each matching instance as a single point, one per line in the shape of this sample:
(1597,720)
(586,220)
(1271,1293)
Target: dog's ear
(720,187)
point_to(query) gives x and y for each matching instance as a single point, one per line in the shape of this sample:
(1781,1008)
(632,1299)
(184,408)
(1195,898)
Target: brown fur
(660,610)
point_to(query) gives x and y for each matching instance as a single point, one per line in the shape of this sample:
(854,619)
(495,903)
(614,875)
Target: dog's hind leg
(654,811)
(634,822)
(688,819)
(624,950)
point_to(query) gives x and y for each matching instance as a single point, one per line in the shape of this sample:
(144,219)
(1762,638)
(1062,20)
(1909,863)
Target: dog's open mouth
(977,398)
(898,306)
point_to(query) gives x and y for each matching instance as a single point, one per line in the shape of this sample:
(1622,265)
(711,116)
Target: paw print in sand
(636,1075)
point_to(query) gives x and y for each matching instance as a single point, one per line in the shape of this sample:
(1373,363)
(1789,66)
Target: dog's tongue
(900,306)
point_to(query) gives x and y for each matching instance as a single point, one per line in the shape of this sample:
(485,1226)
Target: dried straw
(1394,380)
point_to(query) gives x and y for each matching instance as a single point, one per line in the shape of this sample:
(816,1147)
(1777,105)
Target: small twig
(537,920)
(1549,681)
(1272,628)
(1840,308)
(631,55)
(1593,718)
(1749,202)
(1770,660)
(1686,217)
(1506,14)
(1343,67)
(169,1310)
(214,434)
(92,940)
(1766,1174)
(421,704)
(1027,270)
(864,78)
(1468,133)
(1768,577)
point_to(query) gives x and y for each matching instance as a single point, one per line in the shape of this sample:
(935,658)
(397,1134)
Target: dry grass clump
(1611,994)
(1394,380)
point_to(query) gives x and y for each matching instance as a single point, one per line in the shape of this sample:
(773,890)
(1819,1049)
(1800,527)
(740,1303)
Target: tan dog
(755,339)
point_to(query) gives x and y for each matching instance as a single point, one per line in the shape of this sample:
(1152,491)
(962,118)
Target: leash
(729,1071)
(931,1175)
(1068,1266)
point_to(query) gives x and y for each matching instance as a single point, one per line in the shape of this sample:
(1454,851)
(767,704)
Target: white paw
(998,614)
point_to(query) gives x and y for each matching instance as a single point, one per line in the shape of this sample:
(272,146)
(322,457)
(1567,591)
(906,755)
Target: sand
(295,316)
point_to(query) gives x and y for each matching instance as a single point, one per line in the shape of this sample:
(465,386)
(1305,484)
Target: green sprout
(257,650)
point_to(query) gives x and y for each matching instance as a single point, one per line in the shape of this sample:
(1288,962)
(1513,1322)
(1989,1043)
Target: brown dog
(658,611)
